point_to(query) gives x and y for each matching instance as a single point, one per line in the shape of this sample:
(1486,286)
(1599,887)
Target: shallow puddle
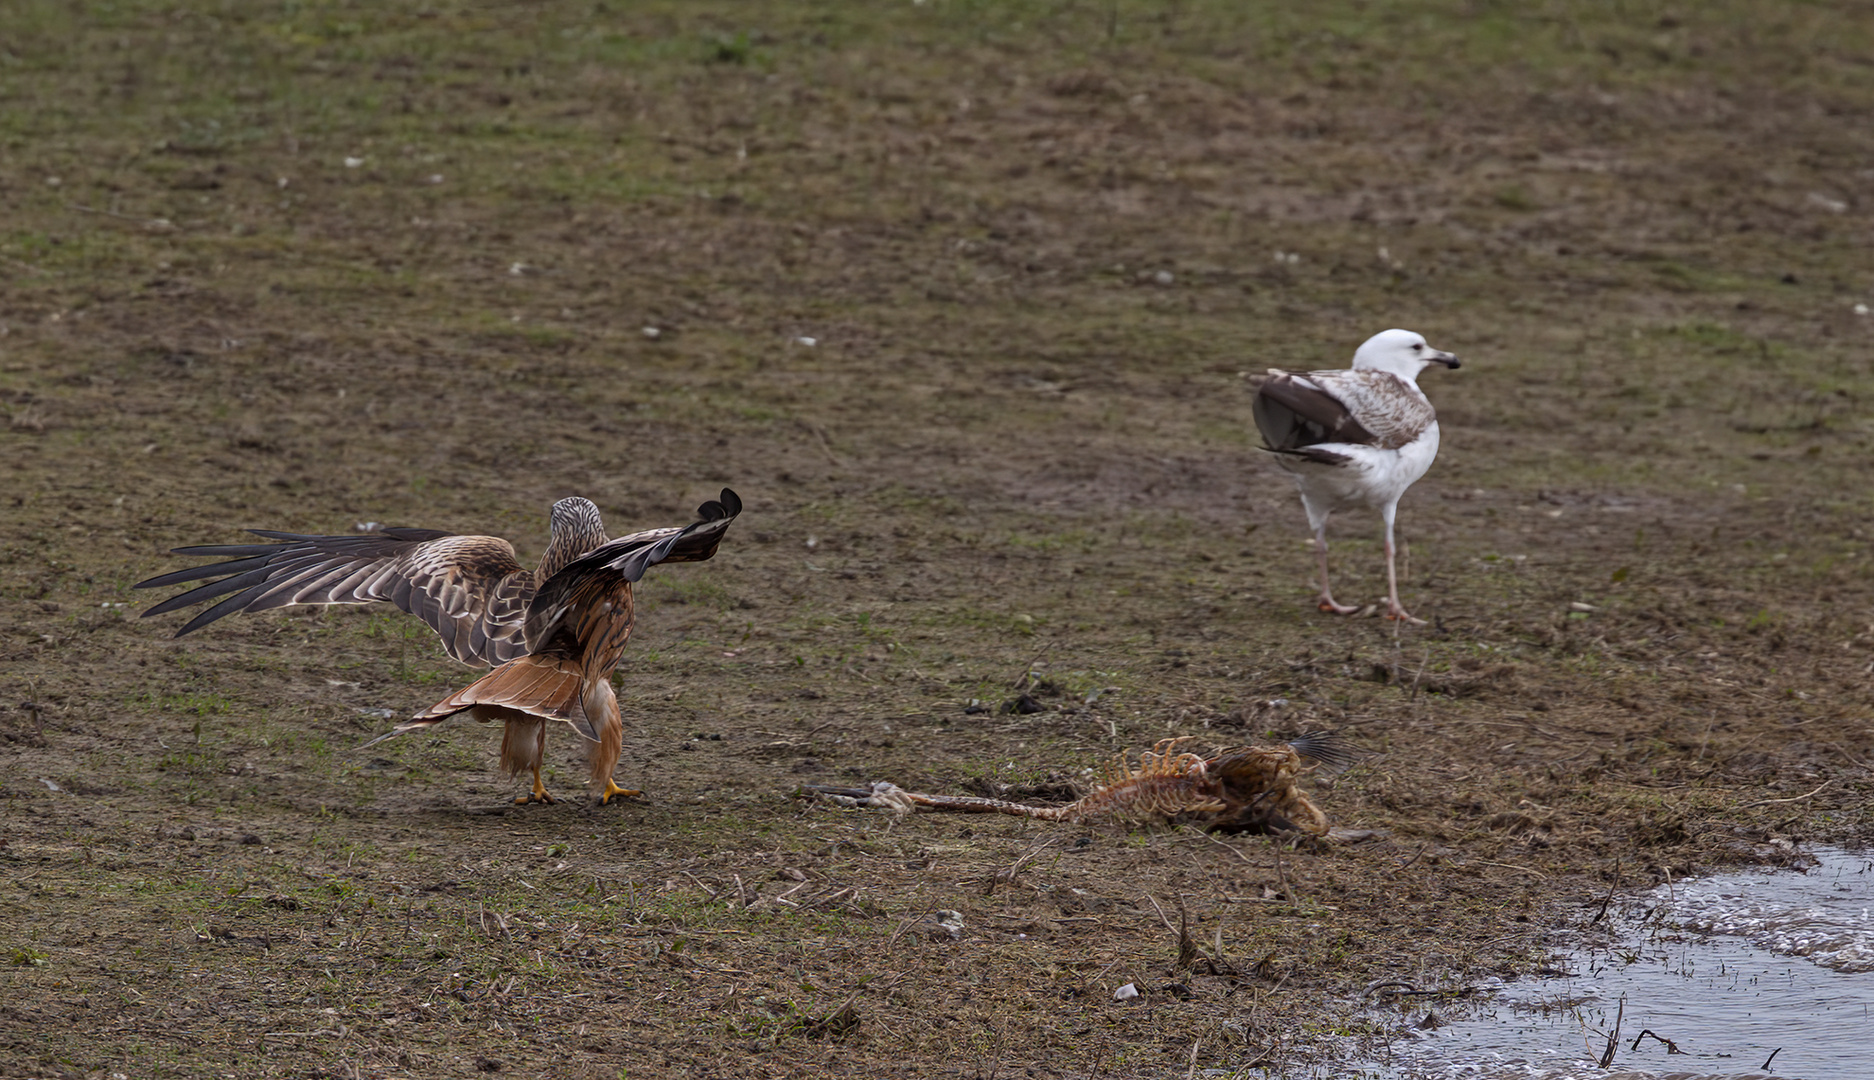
(1742,975)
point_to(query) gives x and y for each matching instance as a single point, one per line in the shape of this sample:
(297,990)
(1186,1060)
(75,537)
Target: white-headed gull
(1355,438)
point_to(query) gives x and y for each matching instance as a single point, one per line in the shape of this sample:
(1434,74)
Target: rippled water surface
(1727,970)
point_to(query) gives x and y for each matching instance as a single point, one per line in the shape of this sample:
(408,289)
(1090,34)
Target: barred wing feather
(469,589)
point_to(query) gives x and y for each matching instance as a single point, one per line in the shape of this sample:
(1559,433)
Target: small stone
(945,925)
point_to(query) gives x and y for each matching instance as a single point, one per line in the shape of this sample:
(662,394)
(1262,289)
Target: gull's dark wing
(469,589)
(1293,411)
(1365,408)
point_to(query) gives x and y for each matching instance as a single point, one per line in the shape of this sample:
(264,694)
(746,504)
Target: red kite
(553,635)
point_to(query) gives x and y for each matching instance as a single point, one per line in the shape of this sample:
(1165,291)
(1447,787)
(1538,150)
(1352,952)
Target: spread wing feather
(1363,407)
(469,589)
(597,574)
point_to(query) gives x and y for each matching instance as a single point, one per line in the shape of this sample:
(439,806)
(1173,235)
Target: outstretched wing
(594,577)
(469,589)
(1368,408)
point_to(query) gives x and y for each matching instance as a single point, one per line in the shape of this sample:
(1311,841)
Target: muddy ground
(959,297)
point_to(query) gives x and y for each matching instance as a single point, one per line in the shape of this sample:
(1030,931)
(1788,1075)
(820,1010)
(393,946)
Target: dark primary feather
(1291,413)
(598,573)
(1315,454)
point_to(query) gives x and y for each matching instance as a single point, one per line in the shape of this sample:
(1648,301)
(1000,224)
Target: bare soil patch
(959,297)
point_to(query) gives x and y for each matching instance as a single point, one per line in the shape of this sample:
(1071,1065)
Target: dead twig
(1027,677)
(1206,836)
(1609,898)
(1153,900)
(1613,1040)
(1794,798)
(1671,1047)
(1187,949)
(1849,758)
(1016,867)
(1420,674)
(906,925)
(839,1020)
(826,445)
(1102,973)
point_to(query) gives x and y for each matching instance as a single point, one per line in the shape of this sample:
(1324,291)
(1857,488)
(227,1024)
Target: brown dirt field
(301,266)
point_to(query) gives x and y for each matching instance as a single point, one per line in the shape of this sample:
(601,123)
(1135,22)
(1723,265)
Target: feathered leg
(1394,609)
(602,707)
(523,747)
(1317,520)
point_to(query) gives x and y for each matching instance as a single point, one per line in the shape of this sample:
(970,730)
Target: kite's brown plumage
(553,635)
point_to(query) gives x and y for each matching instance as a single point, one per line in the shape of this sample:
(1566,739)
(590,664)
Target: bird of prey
(553,635)
(1355,438)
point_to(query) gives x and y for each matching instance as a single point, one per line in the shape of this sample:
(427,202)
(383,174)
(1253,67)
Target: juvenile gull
(1355,438)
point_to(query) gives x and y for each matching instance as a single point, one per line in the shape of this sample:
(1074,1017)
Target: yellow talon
(538,795)
(612,789)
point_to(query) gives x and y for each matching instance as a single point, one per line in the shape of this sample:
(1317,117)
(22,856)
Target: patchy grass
(304,265)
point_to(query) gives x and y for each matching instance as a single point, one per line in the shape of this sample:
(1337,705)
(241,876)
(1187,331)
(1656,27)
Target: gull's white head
(1401,352)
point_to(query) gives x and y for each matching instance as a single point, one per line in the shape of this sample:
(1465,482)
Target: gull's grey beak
(1444,358)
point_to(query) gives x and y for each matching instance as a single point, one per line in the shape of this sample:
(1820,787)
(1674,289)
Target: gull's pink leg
(1394,609)
(1327,598)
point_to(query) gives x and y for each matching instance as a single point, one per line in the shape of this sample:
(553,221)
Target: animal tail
(549,687)
(1327,749)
